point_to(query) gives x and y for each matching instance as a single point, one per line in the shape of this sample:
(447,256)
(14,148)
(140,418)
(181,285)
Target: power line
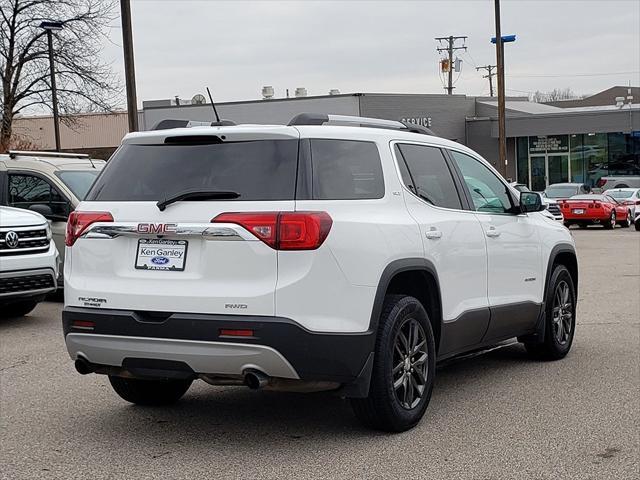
(603,74)
(450,48)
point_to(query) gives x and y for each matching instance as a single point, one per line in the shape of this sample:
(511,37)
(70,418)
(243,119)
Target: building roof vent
(334,91)
(267,92)
(301,92)
(198,99)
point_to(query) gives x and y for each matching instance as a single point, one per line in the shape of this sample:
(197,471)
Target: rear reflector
(283,230)
(229,332)
(78,222)
(83,324)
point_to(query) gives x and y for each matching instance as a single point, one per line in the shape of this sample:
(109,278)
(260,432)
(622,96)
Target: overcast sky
(236,47)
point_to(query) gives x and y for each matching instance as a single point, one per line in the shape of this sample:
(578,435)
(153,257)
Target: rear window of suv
(257,170)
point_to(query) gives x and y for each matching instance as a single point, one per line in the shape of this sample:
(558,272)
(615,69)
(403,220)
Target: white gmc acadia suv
(308,257)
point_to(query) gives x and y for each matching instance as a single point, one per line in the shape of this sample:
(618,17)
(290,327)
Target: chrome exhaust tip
(83,367)
(255,379)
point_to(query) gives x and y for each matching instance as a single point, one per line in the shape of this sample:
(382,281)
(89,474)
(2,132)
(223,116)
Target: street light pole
(50,27)
(502,141)
(129,68)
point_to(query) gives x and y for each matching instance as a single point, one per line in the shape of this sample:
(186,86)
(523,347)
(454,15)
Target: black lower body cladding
(331,357)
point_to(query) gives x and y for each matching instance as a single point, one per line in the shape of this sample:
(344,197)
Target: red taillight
(78,222)
(597,205)
(262,225)
(283,230)
(601,183)
(230,332)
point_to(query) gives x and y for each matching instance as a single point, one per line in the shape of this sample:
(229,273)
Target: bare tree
(84,82)
(554,95)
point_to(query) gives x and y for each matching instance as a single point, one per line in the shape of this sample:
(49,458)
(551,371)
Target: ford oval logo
(160,260)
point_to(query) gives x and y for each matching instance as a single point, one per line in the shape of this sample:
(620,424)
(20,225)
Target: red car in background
(585,210)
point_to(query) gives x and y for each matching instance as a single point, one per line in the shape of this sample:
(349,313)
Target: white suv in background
(308,257)
(50,183)
(28,261)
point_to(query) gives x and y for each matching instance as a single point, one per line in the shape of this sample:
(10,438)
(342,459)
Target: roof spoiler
(322,118)
(173,123)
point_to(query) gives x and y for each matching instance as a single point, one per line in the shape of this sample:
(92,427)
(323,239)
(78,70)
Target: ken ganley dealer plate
(157,254)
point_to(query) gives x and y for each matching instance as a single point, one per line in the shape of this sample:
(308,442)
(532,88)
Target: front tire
(149,392)
(18,309)
(560,317)
(403,368)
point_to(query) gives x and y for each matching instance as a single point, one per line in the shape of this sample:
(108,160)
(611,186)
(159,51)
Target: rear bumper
(279,346)
(586,218)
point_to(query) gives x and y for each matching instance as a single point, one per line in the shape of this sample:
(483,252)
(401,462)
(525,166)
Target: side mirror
(531,202)
(46,212)
(42,209)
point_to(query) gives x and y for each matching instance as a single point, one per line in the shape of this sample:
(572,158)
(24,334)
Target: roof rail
(174,123)
(322,118)
(33,153)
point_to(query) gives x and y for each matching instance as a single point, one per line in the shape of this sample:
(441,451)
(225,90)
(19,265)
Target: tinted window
(346,170)
(78,181)
(257,170)
(427,175)
(487,191)
(27,190)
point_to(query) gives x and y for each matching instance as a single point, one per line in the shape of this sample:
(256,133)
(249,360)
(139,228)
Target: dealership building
(572,140)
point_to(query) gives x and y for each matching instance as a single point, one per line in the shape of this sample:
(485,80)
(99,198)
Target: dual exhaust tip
(254,379)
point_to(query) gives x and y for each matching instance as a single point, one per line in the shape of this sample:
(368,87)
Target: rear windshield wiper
(196,195)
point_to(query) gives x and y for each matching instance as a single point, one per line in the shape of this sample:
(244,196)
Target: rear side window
(425,173)
(257,170)
(346,170)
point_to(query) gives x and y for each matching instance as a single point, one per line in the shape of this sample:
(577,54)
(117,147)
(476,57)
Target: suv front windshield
(78,181)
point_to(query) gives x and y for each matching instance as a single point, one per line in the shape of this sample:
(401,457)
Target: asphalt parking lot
(494,416)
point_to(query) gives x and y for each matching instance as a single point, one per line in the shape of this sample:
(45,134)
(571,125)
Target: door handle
(492,232)
(433,233)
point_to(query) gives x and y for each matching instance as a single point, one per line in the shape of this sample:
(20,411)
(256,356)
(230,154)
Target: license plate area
(161,254)
(578,211)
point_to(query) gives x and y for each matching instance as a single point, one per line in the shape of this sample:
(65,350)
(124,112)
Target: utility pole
(49,27)
(502,141)
(490,75)
(450,48)
(129,66)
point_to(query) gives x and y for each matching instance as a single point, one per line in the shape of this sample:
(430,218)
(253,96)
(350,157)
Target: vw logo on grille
(11,239)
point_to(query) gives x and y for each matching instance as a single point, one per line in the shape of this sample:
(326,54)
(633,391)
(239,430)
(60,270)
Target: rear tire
(567,224)
(149,392)
(18,309)
(611,223)
(560,318)
(637,225)
(403,368)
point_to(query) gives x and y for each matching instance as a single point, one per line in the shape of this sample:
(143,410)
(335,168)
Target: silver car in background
(629,197)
